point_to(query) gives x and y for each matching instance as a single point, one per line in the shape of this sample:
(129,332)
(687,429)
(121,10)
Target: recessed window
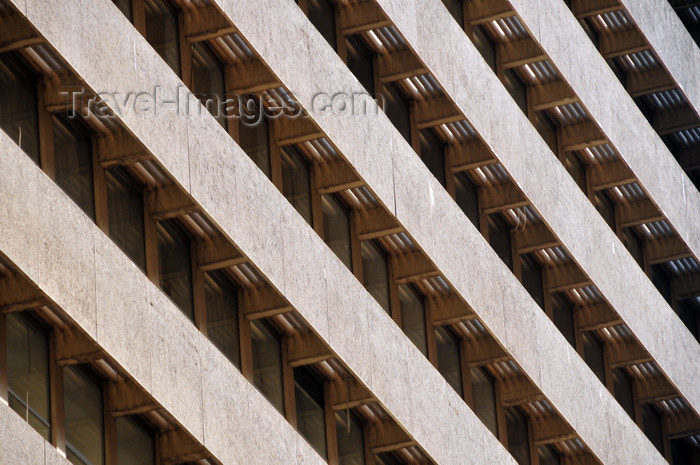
(375,272)
(135,445)
(222,315)
(351,449)
(467,198)
(28,372)
(208,82)
(432,154)
(267,363)
(125,7)
(518,440)
(336,228)
(83,417)
(18,104)
(311,418)
(322,16)
(296,183)
(174,250)
(484,397)
(593,354)
(254,139)
(413,317)
(72,146)
(449,364)
(125,211)
(162,32)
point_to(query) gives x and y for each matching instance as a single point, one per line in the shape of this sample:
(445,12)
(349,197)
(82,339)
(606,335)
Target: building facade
(349,232)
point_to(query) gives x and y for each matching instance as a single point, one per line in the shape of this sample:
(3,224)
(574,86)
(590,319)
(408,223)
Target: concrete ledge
(138,326)
(670,40)
(21,444)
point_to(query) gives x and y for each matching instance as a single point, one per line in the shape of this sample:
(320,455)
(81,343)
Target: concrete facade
(141,330)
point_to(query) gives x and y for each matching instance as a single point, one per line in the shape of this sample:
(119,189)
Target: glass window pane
(547,455)
(18,104)
(360,61)
(351,449)
(28,372)
(375,272)
(134,443)
(162,32)
(484,393)
(73,159)
(322,16)
(593,354)
(564,317)
(267,363)
(651,421)
(125,209)
(431,153)
(336,229)
(499,238)
(467,198)
(296,183)
(396,110)
(449,364)
(83,417)
(532,278)
(175,265)
(222,315)
(311,419)
(413,317)
(125,7)
(254,140)
(516,431)
(208,82)
(623,391)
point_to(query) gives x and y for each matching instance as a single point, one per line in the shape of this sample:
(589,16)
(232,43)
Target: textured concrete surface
(144,332)
(21,444)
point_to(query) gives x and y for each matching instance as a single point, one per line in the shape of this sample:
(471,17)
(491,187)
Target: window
(208,82)
(125,211)
(499,238)
(396,108)
(28,372)
(351,449)
(125,7)
(593,354)
(174,250)
(83,417)
(162,32)
(651,421)
(413,317)
(449,364)
(484,396)
(467,198)
(296,183)
(267,363)
(336,228)
(518,439)
(548,456)
(375,272)
(311,418)
(322,16)
(455,9)
(222,315)
(18,104)
(255,142)
(623,391)
(431,152)
(135,445)
(360,62)
(73,160)
(531,277)
(563,317)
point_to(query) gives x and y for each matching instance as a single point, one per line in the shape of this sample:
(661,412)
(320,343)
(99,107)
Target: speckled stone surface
(21,444)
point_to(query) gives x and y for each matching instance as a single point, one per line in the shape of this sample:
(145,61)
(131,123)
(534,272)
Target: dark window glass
(176,265)
(360,62)
(576,169)
(684,452)
(73,159)
(28,372)
(375,272)
(83,416)
(455,9)
(125,208)
(18,104)
(623,391)
(467,198)
(413,317)
(499,238)
(516,88)
(351,449)
(396,108)
(605,207)
(564,317)
(296,183)
(336,228)
(208,82)
(311,419)
(449,364)
(135,444)
(222,315)
(483,44)
(431,152)
(125,7)
(547,455)
(267,363)
(516,431)
(322,16)
(661,281)
(593,354)
(547,130)
(689,313)
(634,245)
(484,393)
(531,273)
(162,32)
(255,142)
(651,421)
